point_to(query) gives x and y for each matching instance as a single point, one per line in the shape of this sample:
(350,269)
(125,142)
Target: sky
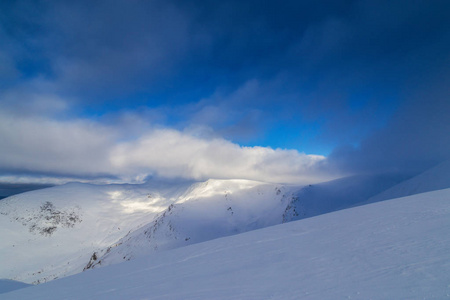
(290,92)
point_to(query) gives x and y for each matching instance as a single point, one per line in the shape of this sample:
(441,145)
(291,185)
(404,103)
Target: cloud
(26,100)
(83,149)
(42,145)
(171,153)
(8,71)
(416,138)
(95,49)
(83,83)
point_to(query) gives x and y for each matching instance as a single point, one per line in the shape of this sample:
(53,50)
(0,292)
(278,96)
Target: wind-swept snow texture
(395,249)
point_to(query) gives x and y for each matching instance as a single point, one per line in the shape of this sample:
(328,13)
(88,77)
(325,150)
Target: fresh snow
(7,285)
(61,231)
(342,193)
(218,208)
(395,249)
(433,179)
(75,227)
(53,232)
(212,209)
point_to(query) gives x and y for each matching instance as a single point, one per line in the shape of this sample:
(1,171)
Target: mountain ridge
(394,249)
(91,226)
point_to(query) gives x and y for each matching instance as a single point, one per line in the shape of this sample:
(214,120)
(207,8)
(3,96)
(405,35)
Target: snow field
(396,249)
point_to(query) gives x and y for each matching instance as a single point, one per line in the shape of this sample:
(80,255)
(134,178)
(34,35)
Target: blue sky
(295,91)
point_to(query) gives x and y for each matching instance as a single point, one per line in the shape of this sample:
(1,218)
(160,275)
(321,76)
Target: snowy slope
(396,249)
(219,208)
(7,285)
(433,179)
(209,210)
(59,231)
(53,232)
(337,194)
(63,230)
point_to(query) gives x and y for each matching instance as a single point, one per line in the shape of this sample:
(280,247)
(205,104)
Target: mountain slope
(213,209)
(218,208)
(396,249)
(433,179)
(59,231)
(7,285)
(325,197)
(52,232)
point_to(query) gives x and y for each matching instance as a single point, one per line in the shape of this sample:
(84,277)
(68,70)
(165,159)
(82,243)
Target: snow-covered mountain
(7,285)
(198,218)
(63,230)
(342,193)
(209,210)
(436,178)
(49,233)
(395,249)
(218,208)
(59,231)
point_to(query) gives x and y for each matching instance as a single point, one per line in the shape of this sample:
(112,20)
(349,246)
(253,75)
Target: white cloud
(85,149)
(171,153)
(50,146)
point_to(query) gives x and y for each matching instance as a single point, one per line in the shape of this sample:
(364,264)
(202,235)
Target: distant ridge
(436,178)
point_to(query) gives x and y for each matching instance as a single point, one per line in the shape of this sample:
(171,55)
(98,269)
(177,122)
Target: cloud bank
(416,138)
(71,149)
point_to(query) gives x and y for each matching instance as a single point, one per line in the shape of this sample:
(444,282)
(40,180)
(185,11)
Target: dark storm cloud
(402,51)
(124,46)
(416,138)
(347,64)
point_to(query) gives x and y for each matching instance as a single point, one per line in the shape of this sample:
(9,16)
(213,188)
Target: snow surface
(433,179)
(395,249)
(53,232)
(212,209)
(7,285)
(218,208)
(342,193)
(60,231)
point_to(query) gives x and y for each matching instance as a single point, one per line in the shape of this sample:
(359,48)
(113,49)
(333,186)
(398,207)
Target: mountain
(53,232)
(342,193)
(9,189)
(218,208)
(209,210)
(63,230)
(433,179)
(74,227)
(395,249)
(7,285)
